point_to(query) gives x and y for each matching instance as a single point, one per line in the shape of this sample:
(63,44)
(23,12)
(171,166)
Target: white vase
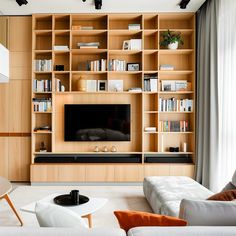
(173,46)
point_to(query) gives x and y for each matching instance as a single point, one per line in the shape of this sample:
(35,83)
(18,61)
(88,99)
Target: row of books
(117,65)
(174,104)
(150,83)
(43,65)
(97,65)
(42,85)
(88,45)
(42,104)
(174,126)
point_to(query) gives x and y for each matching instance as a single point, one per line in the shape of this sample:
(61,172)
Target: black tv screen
(97,122)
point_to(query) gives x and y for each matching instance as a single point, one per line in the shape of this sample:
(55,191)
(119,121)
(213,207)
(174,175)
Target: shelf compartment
(40,77)
(150,102)
(151,41)
(84,76)
(181,62)
(188,39)
(150,142)
(150,61)
(86,38)
(128,58)
(116,41)
(176,141)
(129,80)
(61,22)
(62,38)
(40,120)
(167,157)
(119,21)
(98,21)
(43,22)
(150,120)
(62,58)
(150,21)
(43,41)
(62,79)
(176,21)
(79,61)
(46,139)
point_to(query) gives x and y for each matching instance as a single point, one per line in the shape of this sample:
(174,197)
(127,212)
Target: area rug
(119,198)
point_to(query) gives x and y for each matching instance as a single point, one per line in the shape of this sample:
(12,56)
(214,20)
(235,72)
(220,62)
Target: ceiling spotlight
(183,4)
(98,4)
(21,2)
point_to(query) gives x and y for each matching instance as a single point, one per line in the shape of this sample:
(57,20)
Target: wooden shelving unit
(111,30)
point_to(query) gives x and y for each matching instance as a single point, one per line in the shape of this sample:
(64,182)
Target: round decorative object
(81,84)
(173,46)
(66,200)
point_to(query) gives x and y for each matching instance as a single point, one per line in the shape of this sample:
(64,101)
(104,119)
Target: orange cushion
(130,219)
(229,195)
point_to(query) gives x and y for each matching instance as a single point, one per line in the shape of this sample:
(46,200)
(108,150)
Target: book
(134,27)
(135,44)
(91,85)
(60,48)
(167,67)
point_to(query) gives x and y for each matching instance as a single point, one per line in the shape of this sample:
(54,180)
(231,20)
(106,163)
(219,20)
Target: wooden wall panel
(4,23)
(4,104)
(129,173)
(4,157)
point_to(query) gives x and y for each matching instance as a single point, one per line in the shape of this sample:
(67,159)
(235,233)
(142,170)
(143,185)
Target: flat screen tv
(97,122)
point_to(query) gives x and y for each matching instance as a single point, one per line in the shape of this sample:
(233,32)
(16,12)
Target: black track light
(183,4)
(98,4)
(21,2)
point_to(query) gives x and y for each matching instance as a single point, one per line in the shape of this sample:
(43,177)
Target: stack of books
(61,48)
(42,85)
(59,86)
(88,45)
(174,126)
(97,65)
(134,27)
(150,129)
(167,67)
(43,65)
(150,83)
(117,65)
(42,104)
(172,104)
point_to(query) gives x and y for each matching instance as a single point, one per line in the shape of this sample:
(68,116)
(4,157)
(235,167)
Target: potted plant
(171,39)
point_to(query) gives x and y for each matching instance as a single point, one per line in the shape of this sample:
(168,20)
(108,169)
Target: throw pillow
(131,219)
(50,215)
(229,195)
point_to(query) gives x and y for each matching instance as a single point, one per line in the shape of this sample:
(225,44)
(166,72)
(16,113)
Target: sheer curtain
(225,164)
(216,91)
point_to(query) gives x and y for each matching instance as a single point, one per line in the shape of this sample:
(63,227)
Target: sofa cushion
(208,213)
(229,195)
(160,190)
(50,215)
(182,231)
(130,219)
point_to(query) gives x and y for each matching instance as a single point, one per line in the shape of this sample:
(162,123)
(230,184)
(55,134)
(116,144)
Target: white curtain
(225,163)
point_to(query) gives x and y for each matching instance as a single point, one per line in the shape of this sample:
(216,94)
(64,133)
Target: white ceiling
(10,7)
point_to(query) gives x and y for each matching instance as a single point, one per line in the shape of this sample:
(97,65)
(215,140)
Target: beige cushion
(208,213)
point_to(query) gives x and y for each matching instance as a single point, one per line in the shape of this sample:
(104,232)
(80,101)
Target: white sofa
(138,231)
(46,231)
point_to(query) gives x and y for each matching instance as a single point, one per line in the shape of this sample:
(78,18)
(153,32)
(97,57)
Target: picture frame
(126,45)
(167,85)
(115,85)
(133,66)
(102,85)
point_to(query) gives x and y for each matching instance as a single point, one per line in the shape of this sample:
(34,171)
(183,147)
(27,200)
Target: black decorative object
(21,2)
(183,4)
(174,149)
(66,200)
(59,68)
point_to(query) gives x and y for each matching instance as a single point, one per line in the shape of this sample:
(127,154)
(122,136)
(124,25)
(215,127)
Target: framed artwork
(133,66)
(102,85)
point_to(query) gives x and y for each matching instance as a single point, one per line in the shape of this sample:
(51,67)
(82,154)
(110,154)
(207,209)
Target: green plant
(169,37)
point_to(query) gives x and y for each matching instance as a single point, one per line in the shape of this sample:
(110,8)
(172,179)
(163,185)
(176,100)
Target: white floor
(119,198)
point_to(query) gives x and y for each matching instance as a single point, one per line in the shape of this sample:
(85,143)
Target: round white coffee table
(84,210)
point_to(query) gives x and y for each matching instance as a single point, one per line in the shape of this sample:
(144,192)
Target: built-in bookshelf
(115,58)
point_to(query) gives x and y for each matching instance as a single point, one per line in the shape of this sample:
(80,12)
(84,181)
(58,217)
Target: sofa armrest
(208,213)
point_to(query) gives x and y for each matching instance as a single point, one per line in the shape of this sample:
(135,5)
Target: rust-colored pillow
(130,219)
(229,195)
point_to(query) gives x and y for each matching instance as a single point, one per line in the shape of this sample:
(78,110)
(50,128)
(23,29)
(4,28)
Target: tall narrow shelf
(57,40)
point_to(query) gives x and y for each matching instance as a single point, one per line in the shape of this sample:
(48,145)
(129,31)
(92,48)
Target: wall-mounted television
(97,122)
